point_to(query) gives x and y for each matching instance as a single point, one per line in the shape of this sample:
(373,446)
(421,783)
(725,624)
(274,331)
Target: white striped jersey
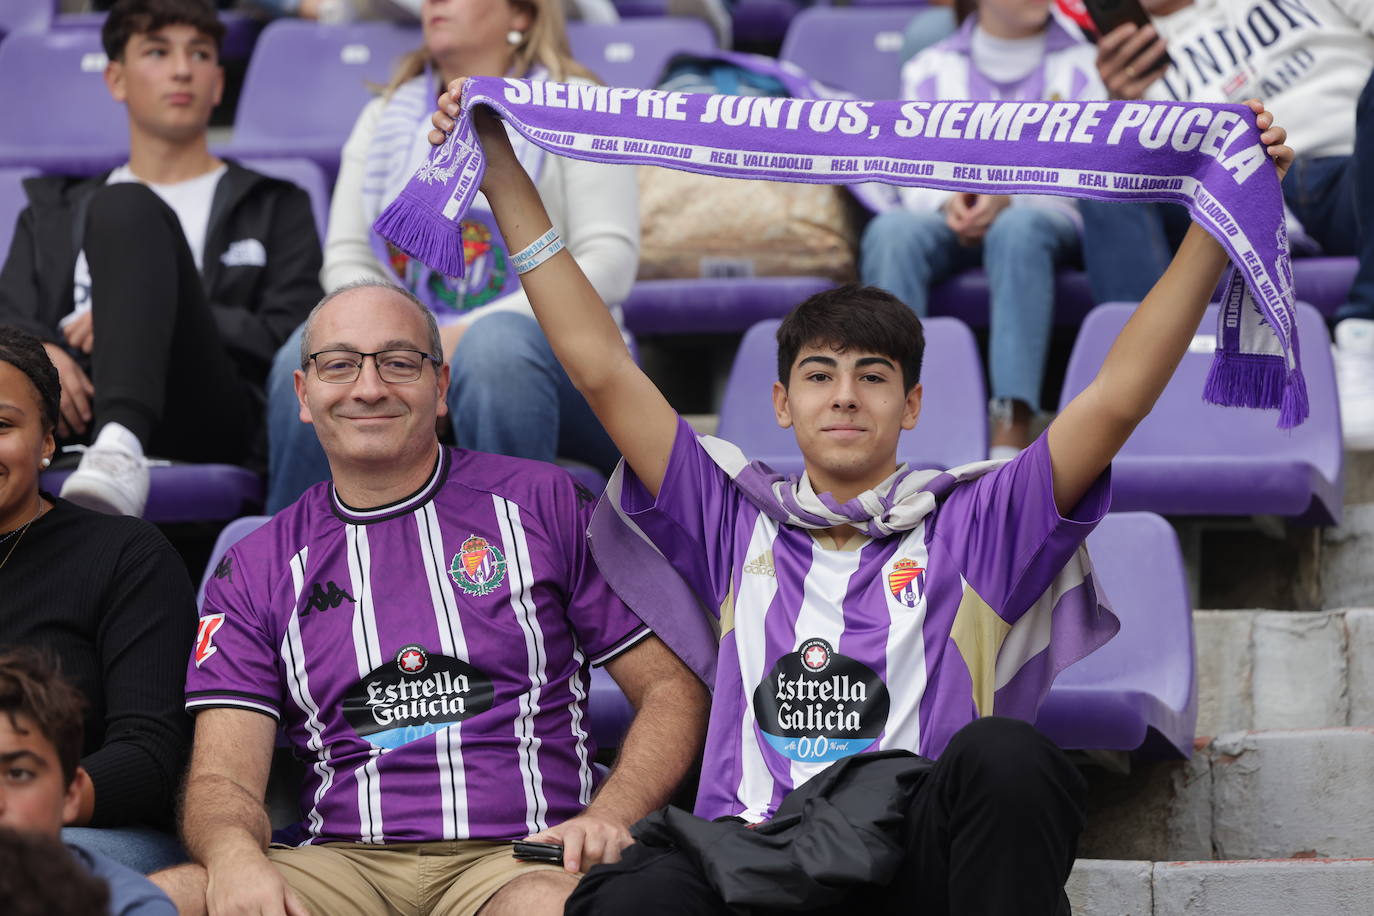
(428,659)
(885,643)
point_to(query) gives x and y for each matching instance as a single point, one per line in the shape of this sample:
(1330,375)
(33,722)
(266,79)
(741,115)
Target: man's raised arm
(579,327)
(1088,433)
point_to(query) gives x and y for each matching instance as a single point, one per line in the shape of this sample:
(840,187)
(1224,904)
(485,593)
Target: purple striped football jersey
(428,659)
(882,643)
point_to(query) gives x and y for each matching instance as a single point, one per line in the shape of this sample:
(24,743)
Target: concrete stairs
(1274,815)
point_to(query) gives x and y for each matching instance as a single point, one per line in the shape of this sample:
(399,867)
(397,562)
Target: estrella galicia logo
(416,695)
(478,568)
(907,582)
(322,599)
(225,568)
(817,705)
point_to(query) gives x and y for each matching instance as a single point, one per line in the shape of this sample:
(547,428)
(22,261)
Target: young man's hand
(80,332)
(1273,137)
(588,839)
(77,391)
(1129,59)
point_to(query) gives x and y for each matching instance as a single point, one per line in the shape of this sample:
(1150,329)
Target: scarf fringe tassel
(424,234)
(1261,381)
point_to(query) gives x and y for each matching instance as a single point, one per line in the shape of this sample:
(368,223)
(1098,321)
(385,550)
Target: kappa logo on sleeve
(205,637)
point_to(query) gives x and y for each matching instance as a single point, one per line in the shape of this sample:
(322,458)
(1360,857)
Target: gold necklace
(18,534)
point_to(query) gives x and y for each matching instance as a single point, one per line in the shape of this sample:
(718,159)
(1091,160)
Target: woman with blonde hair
(508,394)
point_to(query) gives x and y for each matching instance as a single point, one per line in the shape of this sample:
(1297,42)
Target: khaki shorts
(452,878)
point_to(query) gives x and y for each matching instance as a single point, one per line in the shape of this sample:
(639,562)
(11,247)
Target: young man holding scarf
(162,288)
(864,607)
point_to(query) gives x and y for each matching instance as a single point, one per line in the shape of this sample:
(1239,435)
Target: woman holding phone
(1004,50)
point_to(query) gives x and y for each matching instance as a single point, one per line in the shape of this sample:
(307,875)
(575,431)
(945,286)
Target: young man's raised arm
(577,323)
(1088,433)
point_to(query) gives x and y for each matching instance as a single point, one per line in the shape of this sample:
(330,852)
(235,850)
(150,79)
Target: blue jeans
(507,395)
(1127,245)
(906,253)
(144,849)
(1333,197)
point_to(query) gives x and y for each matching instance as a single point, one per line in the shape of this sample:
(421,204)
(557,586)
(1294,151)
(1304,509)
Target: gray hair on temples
(436,348)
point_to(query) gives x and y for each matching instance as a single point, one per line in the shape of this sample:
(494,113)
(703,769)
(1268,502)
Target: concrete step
(1284,669)
(1271,794)
(1274,887)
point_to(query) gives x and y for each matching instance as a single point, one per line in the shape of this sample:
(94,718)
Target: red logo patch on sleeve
(205,635)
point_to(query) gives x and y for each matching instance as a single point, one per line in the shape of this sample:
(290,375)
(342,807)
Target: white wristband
(540,256)
(523,256)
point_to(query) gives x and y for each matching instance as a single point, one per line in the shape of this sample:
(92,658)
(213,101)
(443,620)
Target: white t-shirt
(1006,60)
(190,200)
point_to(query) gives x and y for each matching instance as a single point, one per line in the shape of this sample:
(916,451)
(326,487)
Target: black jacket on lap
(256,306)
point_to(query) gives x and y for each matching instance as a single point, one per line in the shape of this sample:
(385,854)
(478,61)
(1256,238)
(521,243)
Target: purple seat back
(1324,282)
(763,21)
(335,67)
(58,115)
(857,50)
(1139,691)
(306,175)
(26,15)
(965,296)
(229,535)
(1193,458)
(633,53)
(952,429)
(712,306)
(12,202)
(191,492)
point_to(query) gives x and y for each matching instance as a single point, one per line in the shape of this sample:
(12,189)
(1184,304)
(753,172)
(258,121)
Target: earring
(514,37)
(44,463)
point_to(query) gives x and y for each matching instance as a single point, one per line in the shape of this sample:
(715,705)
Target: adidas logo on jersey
(761,565)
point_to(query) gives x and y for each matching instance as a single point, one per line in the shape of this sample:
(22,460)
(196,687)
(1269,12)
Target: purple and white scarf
(1206,157)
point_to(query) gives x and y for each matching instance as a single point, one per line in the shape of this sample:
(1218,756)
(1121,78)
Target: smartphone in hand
(1108,15)
(526,851)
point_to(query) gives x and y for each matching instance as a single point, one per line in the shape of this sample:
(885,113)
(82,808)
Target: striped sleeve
(234,660)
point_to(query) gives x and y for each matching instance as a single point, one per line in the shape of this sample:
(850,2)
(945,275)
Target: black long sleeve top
(110,599)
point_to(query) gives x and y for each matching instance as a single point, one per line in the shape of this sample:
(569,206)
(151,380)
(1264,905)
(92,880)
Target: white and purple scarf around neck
(1206,157)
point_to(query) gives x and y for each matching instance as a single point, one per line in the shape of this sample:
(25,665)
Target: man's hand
(247,884)
(80,332)
(589,839)
(77,392)
(969,216)
(1129,59)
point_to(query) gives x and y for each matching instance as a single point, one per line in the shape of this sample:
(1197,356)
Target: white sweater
(1308,60)
(594,206)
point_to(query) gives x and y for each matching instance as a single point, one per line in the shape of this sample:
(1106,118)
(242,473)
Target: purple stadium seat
(335,67)
(633,53)
(1324,282)
(709,306)
(191,492)
(857,50)
(1139,691)
(952,429)
(763,21)
(305,174)
(965,296)
(58,115)
(12,202)
(1194,458)
(26,15)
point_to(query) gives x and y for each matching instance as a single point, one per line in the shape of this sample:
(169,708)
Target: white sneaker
(109,480)
(1354,354)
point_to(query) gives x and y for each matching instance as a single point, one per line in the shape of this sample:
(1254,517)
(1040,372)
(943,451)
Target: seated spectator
(435,685)
(1314,64)
(39,877)
(161,289)
(40,741)
(1012,50)
(508,395)
(107,597)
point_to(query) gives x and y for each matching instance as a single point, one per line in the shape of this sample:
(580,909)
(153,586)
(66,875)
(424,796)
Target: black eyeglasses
(342,367)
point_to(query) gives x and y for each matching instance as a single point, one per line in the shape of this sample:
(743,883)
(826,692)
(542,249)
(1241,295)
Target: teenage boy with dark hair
(160,289)
(865,607)
(40,746)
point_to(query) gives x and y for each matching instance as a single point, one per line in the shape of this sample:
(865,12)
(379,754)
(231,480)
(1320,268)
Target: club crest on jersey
(205,636)
(478,568)
(907,582)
